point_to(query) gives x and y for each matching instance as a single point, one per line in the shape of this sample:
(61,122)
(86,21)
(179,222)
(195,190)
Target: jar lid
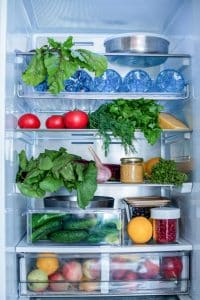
(131,160)
(165,213)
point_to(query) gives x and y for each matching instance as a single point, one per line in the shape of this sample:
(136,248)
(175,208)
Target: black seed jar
(165,224)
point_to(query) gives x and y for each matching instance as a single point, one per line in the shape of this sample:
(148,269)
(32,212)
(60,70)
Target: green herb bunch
(165,172)
(57,62)
(123,117)
(53,170)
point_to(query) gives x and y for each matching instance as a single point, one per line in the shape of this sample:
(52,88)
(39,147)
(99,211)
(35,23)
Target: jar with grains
(165,224)
(131,170)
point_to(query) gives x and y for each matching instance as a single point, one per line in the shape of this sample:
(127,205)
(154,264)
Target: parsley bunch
(123,117)
(57,62)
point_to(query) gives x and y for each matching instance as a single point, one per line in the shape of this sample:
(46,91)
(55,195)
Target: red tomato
(55,122)
(29,121)
(76,119)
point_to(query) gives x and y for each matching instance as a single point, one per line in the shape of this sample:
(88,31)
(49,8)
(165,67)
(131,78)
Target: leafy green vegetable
(54,169)
(123,117)
(57,62)
(165,172)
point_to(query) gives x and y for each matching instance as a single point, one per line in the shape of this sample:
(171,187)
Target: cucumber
(38,219)
(78,224)
(41,232)
(68,236)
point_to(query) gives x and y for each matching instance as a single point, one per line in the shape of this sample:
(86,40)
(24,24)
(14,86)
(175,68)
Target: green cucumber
(41,232)
(78,224)
(68,236)
(38,219)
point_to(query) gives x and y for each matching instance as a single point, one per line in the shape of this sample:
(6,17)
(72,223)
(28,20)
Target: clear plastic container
(165,224)
(75,227)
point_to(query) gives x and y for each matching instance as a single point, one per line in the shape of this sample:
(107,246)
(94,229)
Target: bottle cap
(165,213)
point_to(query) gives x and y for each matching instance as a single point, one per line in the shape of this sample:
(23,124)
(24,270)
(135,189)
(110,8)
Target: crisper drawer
(73,275)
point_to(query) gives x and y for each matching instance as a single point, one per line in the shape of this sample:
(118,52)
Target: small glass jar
(165,224)
(131,170)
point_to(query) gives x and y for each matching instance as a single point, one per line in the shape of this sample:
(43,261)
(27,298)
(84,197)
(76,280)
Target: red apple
(57,283)
(149,269)
(130,276)
(91,269)
(118,274)
(72,271)
(171,267)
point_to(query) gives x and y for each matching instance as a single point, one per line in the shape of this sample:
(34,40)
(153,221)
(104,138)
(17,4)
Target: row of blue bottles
(168,80)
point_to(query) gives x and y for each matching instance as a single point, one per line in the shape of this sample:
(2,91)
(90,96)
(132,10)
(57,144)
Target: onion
(103,172)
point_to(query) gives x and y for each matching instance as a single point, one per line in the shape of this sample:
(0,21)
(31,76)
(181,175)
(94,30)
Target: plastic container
(141,206)
(165,224)
(131,170)
(75,226)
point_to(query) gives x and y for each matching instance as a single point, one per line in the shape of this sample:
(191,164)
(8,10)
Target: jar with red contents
(165,224)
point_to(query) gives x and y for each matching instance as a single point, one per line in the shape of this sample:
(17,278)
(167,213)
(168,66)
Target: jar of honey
(131,170)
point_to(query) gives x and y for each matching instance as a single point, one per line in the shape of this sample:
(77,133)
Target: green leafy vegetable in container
(53,170)
(123,117)
(58,61)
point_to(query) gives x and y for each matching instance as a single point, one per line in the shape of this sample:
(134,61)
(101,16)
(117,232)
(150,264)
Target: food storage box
(141,206)
(155,273)
(46,274)
(75,227)
(52,274)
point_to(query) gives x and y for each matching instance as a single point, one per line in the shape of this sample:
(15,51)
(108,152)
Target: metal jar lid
(130,160)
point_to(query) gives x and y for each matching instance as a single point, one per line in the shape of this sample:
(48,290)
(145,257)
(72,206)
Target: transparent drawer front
(75,227)
(156,273)
(50,274)
(106,274)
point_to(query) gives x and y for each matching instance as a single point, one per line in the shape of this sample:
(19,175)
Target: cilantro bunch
(123,117)
(53,170)
(57,62)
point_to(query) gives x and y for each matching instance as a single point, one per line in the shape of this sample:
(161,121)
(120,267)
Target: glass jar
(165,224)
(131,170)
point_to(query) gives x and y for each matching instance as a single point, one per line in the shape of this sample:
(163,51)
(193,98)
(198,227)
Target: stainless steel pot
(141,43)
(137,43)
(70,202)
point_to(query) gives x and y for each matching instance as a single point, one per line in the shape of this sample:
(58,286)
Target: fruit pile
(53,274)
(131,271)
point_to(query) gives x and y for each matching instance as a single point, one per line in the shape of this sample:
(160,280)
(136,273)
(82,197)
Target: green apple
(38,280)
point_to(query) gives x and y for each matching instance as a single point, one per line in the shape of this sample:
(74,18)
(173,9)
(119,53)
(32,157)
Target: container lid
(148,201)
(130,160)
(165,213)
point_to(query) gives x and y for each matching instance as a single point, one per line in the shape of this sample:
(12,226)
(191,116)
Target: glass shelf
(24,247)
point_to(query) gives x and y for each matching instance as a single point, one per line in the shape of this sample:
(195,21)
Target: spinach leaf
(87,187)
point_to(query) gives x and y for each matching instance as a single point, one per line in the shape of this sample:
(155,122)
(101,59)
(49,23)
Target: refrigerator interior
(29,23)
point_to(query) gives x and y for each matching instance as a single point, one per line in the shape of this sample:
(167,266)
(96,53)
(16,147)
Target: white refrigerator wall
(22,21)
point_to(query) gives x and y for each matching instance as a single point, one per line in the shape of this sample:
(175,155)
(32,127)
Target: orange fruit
(148,165)
(140,230)
(47,262)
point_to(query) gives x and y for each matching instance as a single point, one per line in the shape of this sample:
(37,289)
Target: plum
(72,271)
(57,282)
(37,280)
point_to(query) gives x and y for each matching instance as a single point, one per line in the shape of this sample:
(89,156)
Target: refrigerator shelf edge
(23,247)
(175,55)
(104,96)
